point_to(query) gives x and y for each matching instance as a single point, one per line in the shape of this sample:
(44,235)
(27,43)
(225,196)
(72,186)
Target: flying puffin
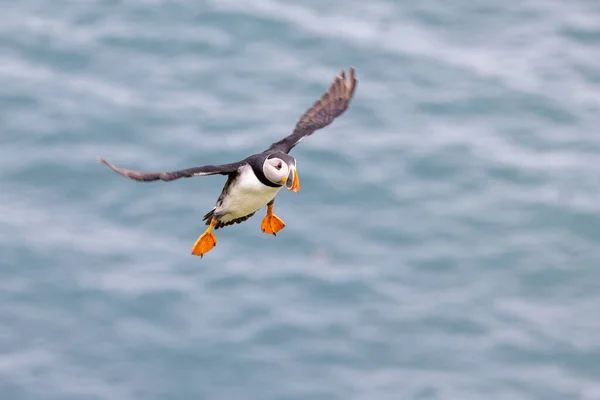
(253,182)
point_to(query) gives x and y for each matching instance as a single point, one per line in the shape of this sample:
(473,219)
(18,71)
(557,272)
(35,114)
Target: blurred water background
(444,244)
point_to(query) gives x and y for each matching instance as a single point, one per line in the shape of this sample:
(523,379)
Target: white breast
(246,195)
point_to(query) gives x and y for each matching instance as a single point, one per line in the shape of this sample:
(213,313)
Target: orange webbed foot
(205,242)
(271,223)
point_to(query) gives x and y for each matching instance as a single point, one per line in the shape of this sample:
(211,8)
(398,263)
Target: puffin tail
(220,224)
(209,216)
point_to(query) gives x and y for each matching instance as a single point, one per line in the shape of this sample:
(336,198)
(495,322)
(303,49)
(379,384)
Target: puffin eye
(278,166)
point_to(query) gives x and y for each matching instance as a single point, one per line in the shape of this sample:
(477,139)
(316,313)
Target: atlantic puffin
(253,182)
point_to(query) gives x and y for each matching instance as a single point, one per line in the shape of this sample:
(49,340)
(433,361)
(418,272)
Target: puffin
(253,182)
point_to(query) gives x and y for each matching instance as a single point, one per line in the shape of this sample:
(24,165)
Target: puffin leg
(271,224)
(206,241)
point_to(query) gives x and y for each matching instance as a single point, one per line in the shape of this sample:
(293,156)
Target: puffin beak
(292,182)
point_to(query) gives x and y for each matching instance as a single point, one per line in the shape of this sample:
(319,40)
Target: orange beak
(295,182)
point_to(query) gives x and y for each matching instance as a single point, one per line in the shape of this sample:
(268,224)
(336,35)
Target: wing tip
(349,82)
(118,170)
(108,164)
(352,72)
(347,85)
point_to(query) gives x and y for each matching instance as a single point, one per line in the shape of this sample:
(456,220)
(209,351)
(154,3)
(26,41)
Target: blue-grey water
(443,245)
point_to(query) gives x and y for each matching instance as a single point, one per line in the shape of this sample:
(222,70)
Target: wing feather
(322,113)
(224,169)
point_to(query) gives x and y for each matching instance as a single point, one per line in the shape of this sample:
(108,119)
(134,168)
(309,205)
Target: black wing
(224,169)
(331,105)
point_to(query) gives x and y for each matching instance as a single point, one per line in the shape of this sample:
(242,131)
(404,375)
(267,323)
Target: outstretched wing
(224,169)
(332,104)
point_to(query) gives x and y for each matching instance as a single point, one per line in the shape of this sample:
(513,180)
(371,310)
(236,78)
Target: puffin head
(281,170)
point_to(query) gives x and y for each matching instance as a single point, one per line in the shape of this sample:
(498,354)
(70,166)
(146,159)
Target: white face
(276,170)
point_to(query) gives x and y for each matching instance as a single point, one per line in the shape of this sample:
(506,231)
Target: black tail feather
(209,216)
